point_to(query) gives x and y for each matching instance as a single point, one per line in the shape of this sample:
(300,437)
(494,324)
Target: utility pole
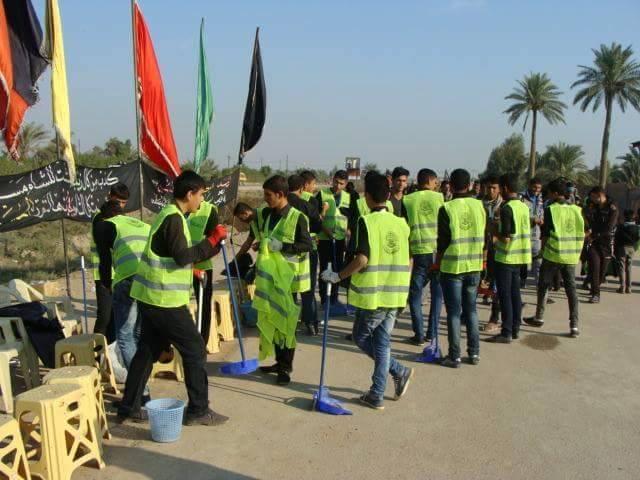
(228,161)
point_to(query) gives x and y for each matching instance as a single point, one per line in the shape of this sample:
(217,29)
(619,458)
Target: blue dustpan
(431,353)
(245,366)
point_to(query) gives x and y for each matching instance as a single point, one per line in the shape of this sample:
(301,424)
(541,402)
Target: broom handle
(324,334)
(233,299)
(235,262)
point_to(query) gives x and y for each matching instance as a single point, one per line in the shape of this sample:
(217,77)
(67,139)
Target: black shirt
(170,241)
(507,225)
(444,227)
(397,206)
(302,240)
(310,209)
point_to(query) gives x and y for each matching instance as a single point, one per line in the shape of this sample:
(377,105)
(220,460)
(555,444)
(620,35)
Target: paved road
(546,407)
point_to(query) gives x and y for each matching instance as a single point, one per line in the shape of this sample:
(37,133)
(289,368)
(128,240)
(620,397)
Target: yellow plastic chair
(89,379)
(212,343)
(12,346)
(14,463)
(174,365)
(57,429)
(89,350)
(251,290)
(224,320)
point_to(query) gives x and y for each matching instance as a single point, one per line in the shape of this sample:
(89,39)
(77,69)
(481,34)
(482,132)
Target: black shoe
(450,362)
(574,333)
(515,336)
(370,401)
(627,290)
(550,301)
(594,299)
(316,329)
(208,418)
(402,383)
(349,337)
(139,416)
(416,340)
(283,378)
(474,359)
(270,369)
(498,339)
(308,330)
(145,399)
(428,339)
(533,321)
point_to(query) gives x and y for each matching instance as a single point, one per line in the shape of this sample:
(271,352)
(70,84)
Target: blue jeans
(460,293)
(372,333)
(508,282)
(419,278)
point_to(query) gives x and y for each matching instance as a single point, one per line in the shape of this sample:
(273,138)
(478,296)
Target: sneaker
(416,340)
(627,290)
(533,321)
(139,416)
(451,362)
(309,331)
(474,359)
(270,369)
(498,339)
(594,299)
(574,332)
(550,301)
(283,378)
(371,401)
(402,383)
(208,418)
(620,290)
(491,327)
(515,336)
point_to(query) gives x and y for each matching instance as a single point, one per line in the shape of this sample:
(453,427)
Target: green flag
(204,107)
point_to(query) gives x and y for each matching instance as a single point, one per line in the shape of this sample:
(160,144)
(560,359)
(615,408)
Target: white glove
(330,276)
(275,245)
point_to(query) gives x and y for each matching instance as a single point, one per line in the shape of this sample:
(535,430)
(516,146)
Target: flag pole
(137,104)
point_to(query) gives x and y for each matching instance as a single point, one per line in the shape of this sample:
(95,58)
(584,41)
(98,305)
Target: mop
(322,400)
(202,281)
(246,365)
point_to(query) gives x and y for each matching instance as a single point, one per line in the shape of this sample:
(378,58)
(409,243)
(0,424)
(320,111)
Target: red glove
(199,274)
(219,233)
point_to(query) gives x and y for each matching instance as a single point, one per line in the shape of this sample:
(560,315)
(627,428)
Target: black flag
(256,109)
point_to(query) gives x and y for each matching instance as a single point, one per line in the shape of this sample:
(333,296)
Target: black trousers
(206,303)
(162,327)
(548,271)
(325,254)
(508,284)
(599,257)
(104,315)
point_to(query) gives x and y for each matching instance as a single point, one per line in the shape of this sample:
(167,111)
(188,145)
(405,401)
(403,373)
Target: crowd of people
(461,238)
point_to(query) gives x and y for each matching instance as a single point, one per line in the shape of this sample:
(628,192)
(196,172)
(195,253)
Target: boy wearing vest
(118,193)
(335,203)
(562,239)
(461,257)
(307,204)
(201,224)
(378,289)
(162,287)
(282,269)
(513,252)
(399,182)
(420,209)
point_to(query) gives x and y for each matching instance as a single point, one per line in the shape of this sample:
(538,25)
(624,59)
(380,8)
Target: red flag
(21,64)
(156,136)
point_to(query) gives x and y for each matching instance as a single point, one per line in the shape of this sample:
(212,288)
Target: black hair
(460,180)
(241,208)
(296,182)
(277,184)
(308,176)
(111,208)
(370,173)
(187,181)
(509,182)
(399,172)
(628,215)
(341,175)
(559,186)
(596,190)
(350,188)
(491,180)
(535,181)
(377,187)
(120,191)
(425,175)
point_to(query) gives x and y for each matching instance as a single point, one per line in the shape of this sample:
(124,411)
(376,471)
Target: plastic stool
(14,463)
(222,309)
(12,347)
(89,350)
(173,366)
(251,290)
(58,431)
(89,379)
(212,344)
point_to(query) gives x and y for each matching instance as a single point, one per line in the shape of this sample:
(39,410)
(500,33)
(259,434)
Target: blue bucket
(165,419)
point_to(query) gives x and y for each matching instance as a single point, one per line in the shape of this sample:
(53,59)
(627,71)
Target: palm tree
(562,160)
(629,171)
(30,138)
(615,77)
(535,93)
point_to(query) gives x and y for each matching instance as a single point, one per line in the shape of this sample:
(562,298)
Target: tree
(30,138)
(567,161)
(208,168)
(370,166)
(265,170)
(508,158)
(629,171)
(535,94)
(614,78)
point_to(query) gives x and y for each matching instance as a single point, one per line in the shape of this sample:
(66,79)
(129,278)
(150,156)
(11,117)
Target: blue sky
(412,83)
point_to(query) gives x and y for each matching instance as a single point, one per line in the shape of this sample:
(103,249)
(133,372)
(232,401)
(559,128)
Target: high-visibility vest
(363,208)
(518,250)
(334,220)
(256,224)
(285,231)
(467,220)
(197,223)
(160,281)
(131,238)
(564,244)
(384,282)
(306,196)
(422,214)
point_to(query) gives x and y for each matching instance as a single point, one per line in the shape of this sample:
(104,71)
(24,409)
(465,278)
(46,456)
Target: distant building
(352,166)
